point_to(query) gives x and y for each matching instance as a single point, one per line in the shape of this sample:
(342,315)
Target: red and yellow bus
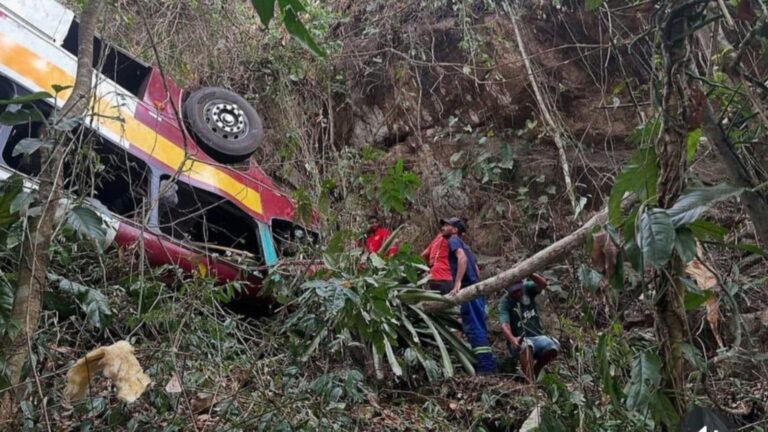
(174,169)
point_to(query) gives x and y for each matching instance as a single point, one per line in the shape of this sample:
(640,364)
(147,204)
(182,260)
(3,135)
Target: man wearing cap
(465,272)
(522,329)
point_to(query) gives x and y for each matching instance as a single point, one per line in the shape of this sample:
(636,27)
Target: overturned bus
(174,170)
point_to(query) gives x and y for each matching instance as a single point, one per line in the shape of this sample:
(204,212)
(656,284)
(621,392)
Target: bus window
(291,238)
(206,220)
(112,62)
(121,180)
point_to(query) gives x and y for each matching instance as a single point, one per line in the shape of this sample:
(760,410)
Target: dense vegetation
(527,118)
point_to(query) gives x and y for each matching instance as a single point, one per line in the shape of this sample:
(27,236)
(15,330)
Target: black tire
(224,124)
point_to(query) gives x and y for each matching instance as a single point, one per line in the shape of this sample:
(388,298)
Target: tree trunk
(39,230)
(754,203)
(678,113)
(545,257)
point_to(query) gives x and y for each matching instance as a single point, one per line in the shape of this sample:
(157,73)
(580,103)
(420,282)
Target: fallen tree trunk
(537,262)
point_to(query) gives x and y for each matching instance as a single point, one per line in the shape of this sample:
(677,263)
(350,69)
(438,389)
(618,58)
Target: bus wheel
(225,125)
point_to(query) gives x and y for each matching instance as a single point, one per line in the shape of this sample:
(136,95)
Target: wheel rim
(226,120)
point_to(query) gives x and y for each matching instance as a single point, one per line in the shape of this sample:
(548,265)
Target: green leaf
(693,355)
(292,4)
(591,5)
(33,97)
(610,386)
(695,201)
(296,29)
(6,300)
(92,301)
(11,189)
(27,146)
(589,278)
(704,230)
(377,261)
(662,411)
(644,380)
(693,300)
(685,244)
(447,363)
(13,118)
(639,176)
(411,296)
(692,144)
(397,187)
(66,124)
(60,88)
(655,237)
(87,222)
(393,363)
(265,9)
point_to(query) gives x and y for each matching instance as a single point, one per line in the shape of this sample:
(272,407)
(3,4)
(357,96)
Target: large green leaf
(695,201)
(639,176)
(290,10)
(655,237)
(27,146)
(265,9)
(644,380)
(32,97)
(87,222)
(447,363)
(13,118)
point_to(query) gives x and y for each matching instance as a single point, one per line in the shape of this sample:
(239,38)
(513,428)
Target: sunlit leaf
(87,222)
(693,202)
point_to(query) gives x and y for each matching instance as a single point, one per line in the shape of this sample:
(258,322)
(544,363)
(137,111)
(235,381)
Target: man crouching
(522,329)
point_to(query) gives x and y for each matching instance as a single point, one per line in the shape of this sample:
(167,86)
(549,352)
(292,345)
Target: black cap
(456,223)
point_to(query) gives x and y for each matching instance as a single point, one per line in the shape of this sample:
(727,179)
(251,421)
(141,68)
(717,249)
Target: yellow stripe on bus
(45,75)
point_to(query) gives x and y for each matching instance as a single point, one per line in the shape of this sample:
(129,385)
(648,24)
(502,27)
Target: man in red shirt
(376,236)
(436,256)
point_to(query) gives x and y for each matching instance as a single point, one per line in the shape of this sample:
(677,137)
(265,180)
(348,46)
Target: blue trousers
(475,331)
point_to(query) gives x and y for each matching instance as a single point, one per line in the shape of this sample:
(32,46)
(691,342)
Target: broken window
(207,220)
(290,238)
(101,170)
(112,62)
(121,180)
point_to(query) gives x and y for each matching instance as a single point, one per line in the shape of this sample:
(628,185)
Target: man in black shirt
(522,329)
